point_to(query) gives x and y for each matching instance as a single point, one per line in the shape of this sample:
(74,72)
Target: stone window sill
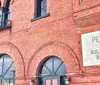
(37,18)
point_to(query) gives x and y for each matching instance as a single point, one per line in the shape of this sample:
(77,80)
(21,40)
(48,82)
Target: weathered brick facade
(29,43)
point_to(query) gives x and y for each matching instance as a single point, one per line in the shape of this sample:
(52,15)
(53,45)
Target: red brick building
(37,36)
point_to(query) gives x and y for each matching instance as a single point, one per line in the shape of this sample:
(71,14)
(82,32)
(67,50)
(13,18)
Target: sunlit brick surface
(30,43)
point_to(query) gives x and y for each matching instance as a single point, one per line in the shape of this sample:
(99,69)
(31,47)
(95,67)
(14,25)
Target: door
(52,72)
(51,81)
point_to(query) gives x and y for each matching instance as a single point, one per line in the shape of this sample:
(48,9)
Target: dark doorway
(52,72)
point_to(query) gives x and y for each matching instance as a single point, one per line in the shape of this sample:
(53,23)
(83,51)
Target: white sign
(91,48)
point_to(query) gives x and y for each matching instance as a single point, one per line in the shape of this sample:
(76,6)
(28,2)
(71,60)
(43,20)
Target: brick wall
(31,40)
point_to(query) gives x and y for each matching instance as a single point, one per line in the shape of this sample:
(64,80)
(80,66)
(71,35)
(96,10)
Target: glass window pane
(8,67)
(45,71)
(49,64)
(1,61)
(8,13)
(43,7)
(62,70)
(0,16)
(54,82)
(57,63)
(48,82)
(8,70)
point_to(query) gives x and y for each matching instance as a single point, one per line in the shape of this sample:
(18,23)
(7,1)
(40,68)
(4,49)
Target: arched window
(52,70)
(7,70)
(5,16)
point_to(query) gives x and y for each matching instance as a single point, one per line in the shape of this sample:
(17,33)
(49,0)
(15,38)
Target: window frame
(5,21)
(36,17)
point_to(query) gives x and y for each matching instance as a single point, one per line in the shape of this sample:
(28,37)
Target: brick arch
(59,49)
(14,53)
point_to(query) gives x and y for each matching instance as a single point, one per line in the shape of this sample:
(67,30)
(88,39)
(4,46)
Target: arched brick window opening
(7,70)
(52,71)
